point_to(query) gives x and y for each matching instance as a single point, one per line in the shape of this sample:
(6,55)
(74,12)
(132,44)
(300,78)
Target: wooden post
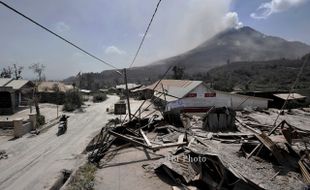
(127,94)
(57,110)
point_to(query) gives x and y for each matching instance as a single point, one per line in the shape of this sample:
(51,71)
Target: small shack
(13,94)
(294,100)
(53,92)
(122,87)
(142,93)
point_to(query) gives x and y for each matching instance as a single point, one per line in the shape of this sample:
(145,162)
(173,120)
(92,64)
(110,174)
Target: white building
(195,96)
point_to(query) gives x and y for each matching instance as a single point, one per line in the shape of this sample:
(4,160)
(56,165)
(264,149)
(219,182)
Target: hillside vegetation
(265,75)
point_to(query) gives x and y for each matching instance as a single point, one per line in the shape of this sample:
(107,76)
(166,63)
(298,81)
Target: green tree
(178,72)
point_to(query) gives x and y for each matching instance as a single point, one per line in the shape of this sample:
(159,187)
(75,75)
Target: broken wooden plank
(181,137)
(246,126)
(304,172)
(130,140)
(145,138)
(167,145)
(154,147)
(265,140)
(259,145)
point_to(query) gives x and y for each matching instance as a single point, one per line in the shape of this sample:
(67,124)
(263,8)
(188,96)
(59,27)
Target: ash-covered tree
(17,71)
(6,72)
(38,70)
(12,72)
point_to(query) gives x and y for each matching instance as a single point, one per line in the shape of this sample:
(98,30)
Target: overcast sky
(112,30)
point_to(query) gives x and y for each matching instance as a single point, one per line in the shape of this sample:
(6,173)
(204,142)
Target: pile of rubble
(244,156)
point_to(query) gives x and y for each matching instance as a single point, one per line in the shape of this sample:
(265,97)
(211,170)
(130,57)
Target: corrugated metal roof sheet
(292,96)
(241,95)
(130,86)
(176,88)
(4,81)
(15,84)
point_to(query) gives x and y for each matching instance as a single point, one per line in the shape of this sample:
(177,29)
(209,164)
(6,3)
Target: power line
(145,33)
(60,37)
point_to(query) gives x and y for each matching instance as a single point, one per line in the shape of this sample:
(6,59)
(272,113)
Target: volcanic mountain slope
(243,44)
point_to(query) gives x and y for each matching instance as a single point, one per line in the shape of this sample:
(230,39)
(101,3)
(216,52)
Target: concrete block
(18,127)
(33,120)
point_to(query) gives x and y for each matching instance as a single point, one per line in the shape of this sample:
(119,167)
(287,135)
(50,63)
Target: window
(5,100)
(210,94)
(190,95)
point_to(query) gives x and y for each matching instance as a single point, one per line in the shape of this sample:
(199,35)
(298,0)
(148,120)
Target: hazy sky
(112,30)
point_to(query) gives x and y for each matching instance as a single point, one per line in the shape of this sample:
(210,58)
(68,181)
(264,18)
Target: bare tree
(6,72)
(38,69)
(17,71)
(12,72)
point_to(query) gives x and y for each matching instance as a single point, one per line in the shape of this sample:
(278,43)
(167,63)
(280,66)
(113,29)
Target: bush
(73,100)
(99,97)
(85,98)
(84,178)
(40,120)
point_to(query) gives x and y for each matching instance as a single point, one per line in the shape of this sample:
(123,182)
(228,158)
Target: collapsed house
(214,144)
(252,156)
(13,94)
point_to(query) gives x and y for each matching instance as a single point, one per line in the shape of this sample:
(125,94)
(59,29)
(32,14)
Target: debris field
(220,149)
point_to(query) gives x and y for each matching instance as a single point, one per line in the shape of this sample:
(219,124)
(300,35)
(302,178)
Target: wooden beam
(130,140)
(145,138)
(304,172)
(154,147)
(260,144)
(181,137)
(246,126)
(167,145)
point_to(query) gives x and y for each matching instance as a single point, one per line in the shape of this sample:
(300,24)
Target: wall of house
(201,91)
(219,99)
(197,103)
(240,102)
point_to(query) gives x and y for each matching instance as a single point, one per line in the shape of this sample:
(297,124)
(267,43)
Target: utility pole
(127,94)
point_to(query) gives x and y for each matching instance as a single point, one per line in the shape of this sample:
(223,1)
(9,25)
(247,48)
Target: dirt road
(35,162)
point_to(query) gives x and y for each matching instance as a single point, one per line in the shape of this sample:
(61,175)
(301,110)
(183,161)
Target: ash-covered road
(35,162)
